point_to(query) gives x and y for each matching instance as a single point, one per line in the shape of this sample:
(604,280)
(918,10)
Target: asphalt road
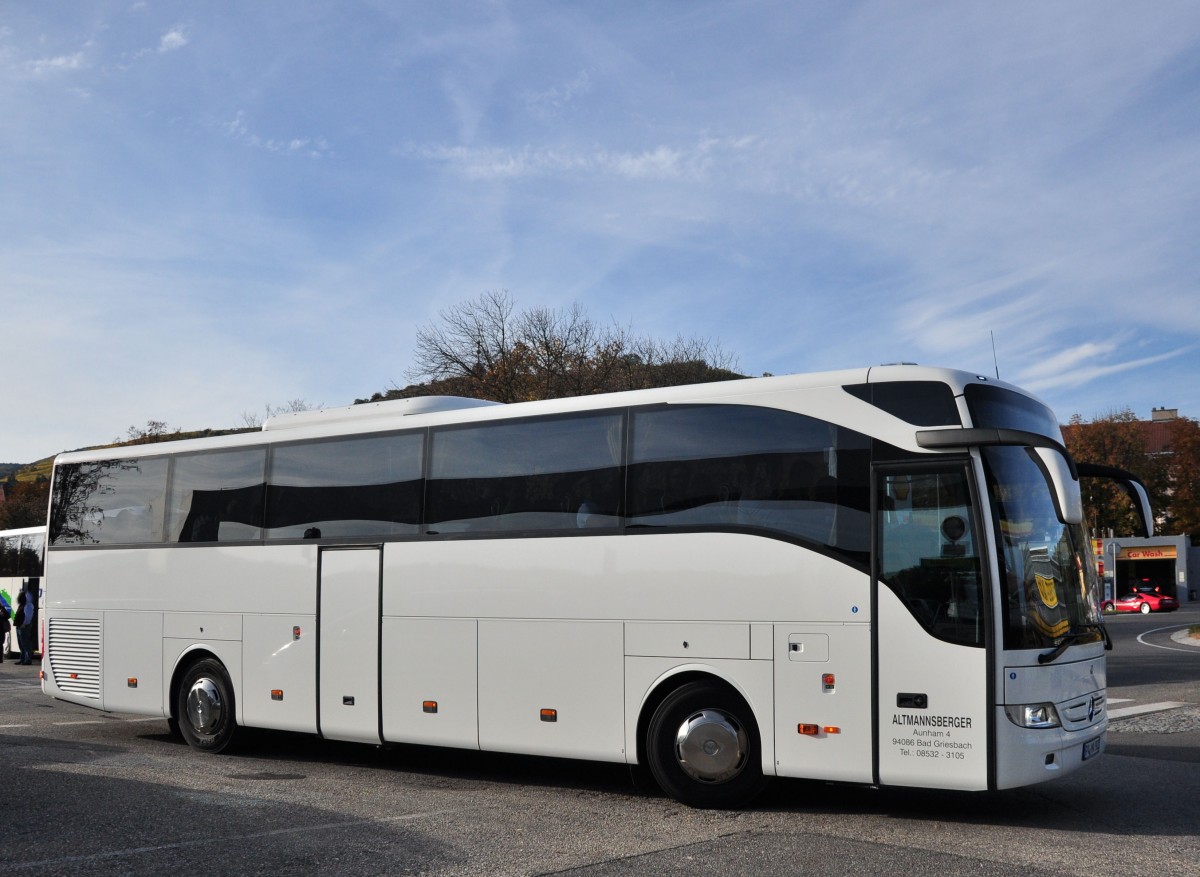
(98,794)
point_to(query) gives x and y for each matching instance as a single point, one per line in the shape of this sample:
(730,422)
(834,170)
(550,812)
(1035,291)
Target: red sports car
(1143,600)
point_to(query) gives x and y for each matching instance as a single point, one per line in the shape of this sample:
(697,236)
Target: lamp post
(1113,548)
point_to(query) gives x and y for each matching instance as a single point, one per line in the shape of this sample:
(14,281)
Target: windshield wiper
(1074,637)
(1103,628)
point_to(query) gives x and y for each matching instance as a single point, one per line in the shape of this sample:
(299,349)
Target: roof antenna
(994,359)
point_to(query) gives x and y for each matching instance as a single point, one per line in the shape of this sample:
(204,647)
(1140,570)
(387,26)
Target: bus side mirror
(1131,484)
(1066,485)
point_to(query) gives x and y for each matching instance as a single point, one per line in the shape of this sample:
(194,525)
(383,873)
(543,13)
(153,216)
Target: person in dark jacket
(23,622)
(5,627)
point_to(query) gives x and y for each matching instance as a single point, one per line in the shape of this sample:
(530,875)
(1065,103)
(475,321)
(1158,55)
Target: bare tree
(154,431)
(485,348)
(254,420)
(476,340)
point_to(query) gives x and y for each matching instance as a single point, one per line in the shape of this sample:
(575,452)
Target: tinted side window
(217,497)
(742,466)
(550,474)
(353,487)
(921,403)
(110,502)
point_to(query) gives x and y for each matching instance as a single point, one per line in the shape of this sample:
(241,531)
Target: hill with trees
(486,349)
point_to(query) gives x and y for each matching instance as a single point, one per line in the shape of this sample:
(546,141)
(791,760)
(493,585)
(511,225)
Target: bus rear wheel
(204,707)
(703,747)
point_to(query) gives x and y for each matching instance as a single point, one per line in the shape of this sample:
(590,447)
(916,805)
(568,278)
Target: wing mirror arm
(1131,484)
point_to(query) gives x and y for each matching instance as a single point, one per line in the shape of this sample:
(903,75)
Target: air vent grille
(74,651)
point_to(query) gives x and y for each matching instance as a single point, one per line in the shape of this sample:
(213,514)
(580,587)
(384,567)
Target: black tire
(703,747)
(204,707)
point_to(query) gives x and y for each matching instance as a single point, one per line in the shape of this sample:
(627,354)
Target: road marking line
(1127,711)
(15,726)
(1167,648)
(89,722)
(1120,700)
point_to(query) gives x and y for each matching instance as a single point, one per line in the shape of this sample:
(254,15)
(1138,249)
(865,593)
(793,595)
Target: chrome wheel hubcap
(204,706)
(711,746)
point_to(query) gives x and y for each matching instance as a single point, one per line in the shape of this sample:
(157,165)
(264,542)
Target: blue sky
(208,208)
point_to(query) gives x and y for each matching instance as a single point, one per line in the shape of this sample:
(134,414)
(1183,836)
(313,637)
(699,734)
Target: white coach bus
(876,576)
(22,552)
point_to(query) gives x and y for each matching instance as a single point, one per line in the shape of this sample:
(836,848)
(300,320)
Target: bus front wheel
(204,707)
(703,747)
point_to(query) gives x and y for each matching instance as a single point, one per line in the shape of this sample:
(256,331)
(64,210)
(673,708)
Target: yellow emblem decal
(1047,590)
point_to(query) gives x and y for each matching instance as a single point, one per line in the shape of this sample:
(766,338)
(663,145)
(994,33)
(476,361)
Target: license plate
(1092,748)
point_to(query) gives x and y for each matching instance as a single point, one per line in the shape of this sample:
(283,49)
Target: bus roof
(418,412)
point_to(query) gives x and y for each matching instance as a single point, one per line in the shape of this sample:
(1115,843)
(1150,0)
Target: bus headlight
(1033,715)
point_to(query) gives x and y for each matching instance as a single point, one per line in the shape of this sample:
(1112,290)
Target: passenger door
(932,629)
(349,604)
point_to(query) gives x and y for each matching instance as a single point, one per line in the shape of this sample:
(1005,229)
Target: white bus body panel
(131,662)
(280,653)
(434,660)
(652,577)
(570,667)
(805,654)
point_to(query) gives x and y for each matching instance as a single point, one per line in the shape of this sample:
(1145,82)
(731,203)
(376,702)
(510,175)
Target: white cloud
(43,67)
(172,40)
(311,147)
(1077,369)
(705,160)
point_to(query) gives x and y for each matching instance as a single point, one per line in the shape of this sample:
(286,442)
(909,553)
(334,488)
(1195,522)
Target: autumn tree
(487,349)
(24,504)
(1183,479)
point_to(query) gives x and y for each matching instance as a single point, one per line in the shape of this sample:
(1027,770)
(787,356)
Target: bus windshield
(1048,584)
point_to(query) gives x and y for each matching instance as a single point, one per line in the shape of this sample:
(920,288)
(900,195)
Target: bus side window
(526,476)
(217,497)
(742,466)
(110,502)
(363,486)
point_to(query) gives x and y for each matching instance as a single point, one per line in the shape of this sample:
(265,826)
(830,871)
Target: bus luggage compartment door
(349,594)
